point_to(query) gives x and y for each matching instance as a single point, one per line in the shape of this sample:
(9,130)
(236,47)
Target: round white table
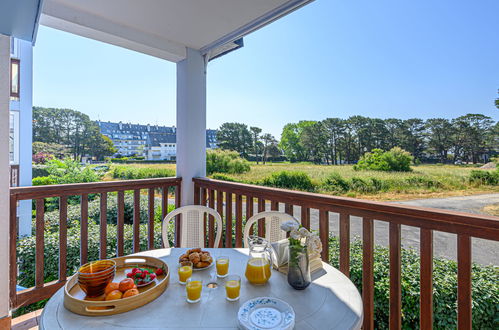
(330,302)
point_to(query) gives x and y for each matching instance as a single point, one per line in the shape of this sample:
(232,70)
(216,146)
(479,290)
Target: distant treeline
(470,138)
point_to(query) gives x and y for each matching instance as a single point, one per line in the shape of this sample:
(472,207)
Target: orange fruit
(113,295)
(131,292)
(126,284)
(111,287)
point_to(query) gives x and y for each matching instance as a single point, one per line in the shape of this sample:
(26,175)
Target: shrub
(483,177)
(219,176)
(70,171)
(39,170)
(290,180)
(42,181)
(42,157)
(485,288)
(225,161)
(132,173)
(396,159)
(336,183)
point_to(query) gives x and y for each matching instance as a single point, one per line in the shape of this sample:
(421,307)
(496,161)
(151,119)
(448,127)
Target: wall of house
(4,175)
(23,50)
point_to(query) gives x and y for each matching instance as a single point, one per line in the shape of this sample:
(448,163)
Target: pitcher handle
(272,254)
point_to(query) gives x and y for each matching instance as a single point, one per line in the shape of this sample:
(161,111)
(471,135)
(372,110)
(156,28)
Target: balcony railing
(235,201)
(224,196)
(43,290)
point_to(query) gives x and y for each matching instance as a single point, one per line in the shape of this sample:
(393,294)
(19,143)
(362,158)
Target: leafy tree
(267,140)
(69,128)
(413,137)
(236,137)
(314,139)
(474,136)
(291,141)
(497,100)
(440,136)
(255,133)
(334,128)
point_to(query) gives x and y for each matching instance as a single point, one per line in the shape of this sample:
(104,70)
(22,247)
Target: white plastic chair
(273,220)
(192,230)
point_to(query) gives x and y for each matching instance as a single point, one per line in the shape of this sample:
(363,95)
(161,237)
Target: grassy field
(424,181)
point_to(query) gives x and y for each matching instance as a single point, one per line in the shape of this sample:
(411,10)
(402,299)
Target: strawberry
(159,271)
(152,276)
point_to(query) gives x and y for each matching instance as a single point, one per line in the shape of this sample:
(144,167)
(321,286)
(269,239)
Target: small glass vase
(298,267)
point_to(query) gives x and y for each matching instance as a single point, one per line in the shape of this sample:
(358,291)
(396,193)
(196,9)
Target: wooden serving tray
(74,296)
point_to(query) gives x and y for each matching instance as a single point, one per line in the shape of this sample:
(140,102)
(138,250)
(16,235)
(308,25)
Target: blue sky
(386,58)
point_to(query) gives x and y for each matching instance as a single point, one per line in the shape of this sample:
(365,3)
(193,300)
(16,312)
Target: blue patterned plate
(266,313)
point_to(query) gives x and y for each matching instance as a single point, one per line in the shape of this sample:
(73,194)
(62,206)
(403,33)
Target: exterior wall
(4,174)
(25,132)
(22,109)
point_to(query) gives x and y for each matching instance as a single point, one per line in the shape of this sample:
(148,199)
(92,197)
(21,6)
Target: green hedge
(225,161)
(132,173)
(295,180)
(484,177)
(485,288)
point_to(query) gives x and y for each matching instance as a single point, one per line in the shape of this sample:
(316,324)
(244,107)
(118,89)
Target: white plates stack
(266,313)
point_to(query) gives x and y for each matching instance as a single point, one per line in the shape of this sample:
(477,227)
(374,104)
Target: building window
(14,137)
(14,77)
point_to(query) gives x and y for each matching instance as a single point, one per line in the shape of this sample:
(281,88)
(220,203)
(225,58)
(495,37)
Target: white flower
(314,244)
(295,234)
(289,226)
(304,232)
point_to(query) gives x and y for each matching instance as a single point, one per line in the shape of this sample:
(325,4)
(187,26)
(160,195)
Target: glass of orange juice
(184,271)
(258,271)
(232,287)
(222,266)
(193,290)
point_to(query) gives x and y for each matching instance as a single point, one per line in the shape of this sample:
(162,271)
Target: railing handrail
(34,192)
(476,225)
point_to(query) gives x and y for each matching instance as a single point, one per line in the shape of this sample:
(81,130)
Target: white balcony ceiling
(164,28)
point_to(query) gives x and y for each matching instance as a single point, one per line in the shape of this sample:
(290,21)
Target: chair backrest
(273,220)
(192,230)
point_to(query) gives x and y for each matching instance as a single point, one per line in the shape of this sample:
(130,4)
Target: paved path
(444,244)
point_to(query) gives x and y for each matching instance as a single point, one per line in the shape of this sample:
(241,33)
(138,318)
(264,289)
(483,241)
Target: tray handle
(134,260)
(99,309)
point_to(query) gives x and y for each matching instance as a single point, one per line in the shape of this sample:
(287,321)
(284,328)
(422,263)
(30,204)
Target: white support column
(191,122)
(4,176)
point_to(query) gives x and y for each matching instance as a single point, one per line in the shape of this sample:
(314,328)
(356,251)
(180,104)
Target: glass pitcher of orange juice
(258,268)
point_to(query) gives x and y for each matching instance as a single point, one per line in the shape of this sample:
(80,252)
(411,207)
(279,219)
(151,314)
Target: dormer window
(14,77)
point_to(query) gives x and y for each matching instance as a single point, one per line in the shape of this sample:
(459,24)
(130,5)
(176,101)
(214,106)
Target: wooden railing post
(239,221)
(120,224)
(463,282)
(40,242)
(63,237)
(136,220)
(367,272)
(150,222)
(228,219)
(103,226)
(395,265)
(426,274)
(324,233)
(345,244)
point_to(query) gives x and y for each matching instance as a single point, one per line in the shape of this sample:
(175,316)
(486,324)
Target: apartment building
(153,142)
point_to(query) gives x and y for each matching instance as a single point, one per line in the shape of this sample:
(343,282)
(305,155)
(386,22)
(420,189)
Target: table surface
(330,302)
